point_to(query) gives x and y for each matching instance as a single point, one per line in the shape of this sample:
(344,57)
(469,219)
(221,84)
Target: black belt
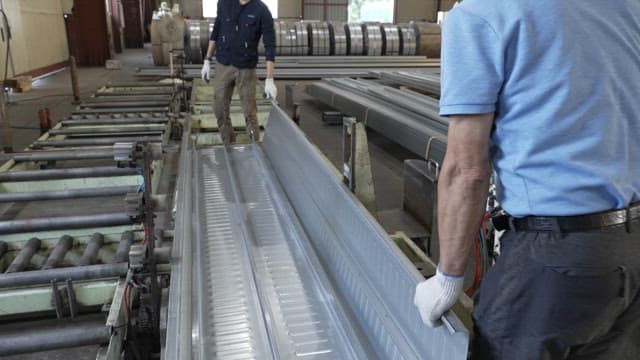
(569,223)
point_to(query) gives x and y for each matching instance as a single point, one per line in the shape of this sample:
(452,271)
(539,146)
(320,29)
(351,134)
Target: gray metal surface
(372,39)
(338,39)
(319,39)
(355,39)
(352,248)
(260,293)
(279,260)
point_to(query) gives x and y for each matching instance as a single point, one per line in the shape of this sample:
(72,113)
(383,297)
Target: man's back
(564,80)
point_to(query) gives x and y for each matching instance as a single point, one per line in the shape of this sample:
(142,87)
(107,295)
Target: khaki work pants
(226,78)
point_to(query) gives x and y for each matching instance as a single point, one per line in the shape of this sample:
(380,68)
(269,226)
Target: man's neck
(244,2)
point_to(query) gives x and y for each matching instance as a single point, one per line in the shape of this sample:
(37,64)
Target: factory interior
(131,229)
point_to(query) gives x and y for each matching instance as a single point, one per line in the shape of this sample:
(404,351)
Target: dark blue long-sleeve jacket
(237,33)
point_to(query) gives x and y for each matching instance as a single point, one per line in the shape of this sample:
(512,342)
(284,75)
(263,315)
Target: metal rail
(116,121)
(94,141)
(64,222)
(109,130)
(70,173)
(67,194)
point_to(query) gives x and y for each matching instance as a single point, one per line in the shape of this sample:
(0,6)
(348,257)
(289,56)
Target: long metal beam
(116,121)
(64,222)
(93,141)
(123,104)
(109,130)
(69,173)
(60,155)
(66,194)
(409,121)
(158,109)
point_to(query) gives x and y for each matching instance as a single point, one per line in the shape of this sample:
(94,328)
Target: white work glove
(436,295)
(206,70)
(270,89)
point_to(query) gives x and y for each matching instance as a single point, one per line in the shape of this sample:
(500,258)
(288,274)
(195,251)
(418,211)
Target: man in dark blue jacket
(235,37)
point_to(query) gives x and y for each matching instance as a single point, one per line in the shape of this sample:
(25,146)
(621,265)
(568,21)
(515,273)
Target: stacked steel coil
(372,39)
(390,39)
(408,39)
(331,38)
(355,39)
(319,38)
(338,39)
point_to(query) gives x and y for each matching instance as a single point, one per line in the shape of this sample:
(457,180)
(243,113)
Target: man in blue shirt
(235,37)
(549,92)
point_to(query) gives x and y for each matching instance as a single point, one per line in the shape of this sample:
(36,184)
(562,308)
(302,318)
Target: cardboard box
(113,64)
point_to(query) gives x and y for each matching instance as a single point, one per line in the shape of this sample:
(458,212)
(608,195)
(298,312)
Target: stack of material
(404,116)
(390,40)
(338,38)
(167,33)
(428,82)
(319,38)
(372,39)
(429,38)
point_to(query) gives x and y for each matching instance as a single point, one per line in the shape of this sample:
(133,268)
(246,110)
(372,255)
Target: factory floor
(54,92)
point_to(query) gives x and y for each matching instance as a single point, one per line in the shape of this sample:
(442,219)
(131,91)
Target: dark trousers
(562,296)
(226,79)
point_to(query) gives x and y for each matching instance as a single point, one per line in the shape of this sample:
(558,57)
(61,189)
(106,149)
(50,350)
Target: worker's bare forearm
(462,189)
(211,48)
(271,67)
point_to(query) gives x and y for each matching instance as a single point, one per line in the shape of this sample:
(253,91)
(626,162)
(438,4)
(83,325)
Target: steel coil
(408,40)
(355,39)
(338,39)
(372,39)
(390,39)
(193,48)
(302,44)
(319,38)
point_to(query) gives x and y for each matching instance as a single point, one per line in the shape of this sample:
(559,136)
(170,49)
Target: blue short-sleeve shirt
(563,78)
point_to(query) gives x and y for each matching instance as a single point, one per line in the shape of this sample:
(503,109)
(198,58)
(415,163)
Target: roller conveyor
(277,260)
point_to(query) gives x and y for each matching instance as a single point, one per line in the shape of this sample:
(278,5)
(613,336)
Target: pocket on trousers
(578,303)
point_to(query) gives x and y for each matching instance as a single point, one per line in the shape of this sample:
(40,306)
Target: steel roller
(319,38)
(408,39)
(390,39)
(355,39)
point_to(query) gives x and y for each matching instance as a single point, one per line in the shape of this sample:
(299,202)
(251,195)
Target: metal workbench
(274,258)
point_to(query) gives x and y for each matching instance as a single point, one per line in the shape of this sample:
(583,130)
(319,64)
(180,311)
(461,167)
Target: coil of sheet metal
(408,40)
(319,38)
(193,48)
(372,39)
(338,38)
(206,28)
(302,39)
(355,39)
(390,39)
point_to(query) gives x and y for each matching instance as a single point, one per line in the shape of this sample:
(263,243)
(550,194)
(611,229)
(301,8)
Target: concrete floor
(54,92)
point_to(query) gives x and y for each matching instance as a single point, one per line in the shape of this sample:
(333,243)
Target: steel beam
(53,334)
(61,155)
(160,109)
(93,141)
(123,104)
(114,121)
(70,173)
(64,222)
(66,194)
(109,130)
